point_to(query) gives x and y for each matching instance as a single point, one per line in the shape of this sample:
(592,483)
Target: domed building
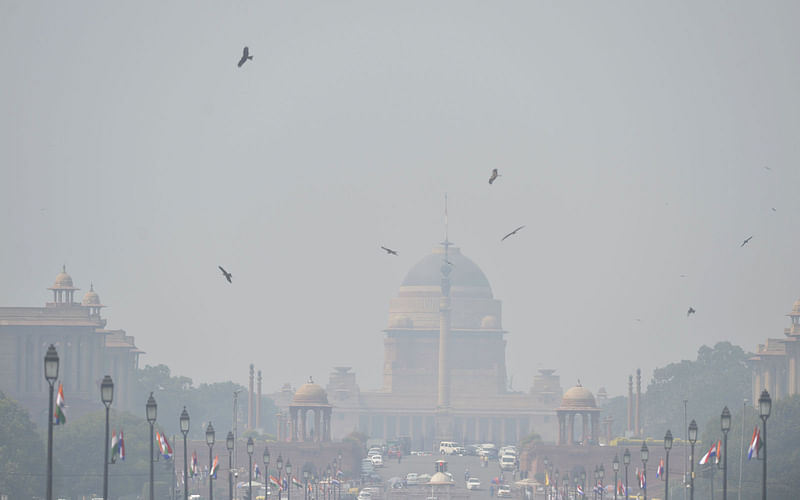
(578,401)
(310,397)
(776,364)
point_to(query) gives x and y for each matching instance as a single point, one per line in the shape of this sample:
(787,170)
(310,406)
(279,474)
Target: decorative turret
(63,290)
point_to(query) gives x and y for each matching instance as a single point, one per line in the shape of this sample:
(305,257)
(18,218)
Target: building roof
(310,394)
(465,273)
(578,397)
(91,298)
(63,281)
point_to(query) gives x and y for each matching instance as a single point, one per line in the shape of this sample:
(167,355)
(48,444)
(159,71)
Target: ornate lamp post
(596,481)
(106,396)
(764,408)
(602,475)
(250,447)
(615,466)
(184,420)
(692,441)
(555,475)
(725,424)
(151,409)
(230,441)
(305,484)
(583,481)
(667,447)
(328,475)
(50,374)
(645,455)
(210,441)
(289,480)
(626,459)
(547,471)
(266,473)
(279,466)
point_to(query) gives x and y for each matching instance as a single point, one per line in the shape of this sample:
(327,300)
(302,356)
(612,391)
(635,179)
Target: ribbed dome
(465,273)
(796,307)
(578,397)
(310,394)
(63,280)
(91,298)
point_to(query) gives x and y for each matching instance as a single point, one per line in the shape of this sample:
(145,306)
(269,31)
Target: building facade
(775,364)
(87,351)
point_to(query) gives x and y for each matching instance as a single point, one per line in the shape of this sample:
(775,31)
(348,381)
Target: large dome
(465,273)
(310,394)
(578,397)
(91,298)
(63,281)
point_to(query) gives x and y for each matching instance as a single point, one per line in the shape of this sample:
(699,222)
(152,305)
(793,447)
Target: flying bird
(745,242)
(773,209)
(494,176)
(684,275)
(389,251)
(245,56)
(690,311)
(225,273)
(512,233)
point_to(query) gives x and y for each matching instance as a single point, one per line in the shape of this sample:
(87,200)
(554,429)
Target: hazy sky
(638,141)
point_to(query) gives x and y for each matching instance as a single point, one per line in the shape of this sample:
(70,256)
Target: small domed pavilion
(310,397)
(577,401)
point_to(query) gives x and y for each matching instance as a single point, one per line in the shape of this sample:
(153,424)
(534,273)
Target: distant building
(776,363)
(87,352)
(444,367)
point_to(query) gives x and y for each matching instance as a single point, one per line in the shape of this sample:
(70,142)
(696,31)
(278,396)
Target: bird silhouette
(494,176)
(245,56)
(225,273)
(745,242)
(512,233)
(390,251)
(690,311)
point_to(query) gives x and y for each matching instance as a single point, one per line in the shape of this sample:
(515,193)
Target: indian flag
(274,481)
(755,444)
(114,447)
(60,416)
(214,467)
(296,482)
(121,446)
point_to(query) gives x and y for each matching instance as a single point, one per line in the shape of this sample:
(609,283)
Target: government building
(776,364)
(444,370)
(87,351)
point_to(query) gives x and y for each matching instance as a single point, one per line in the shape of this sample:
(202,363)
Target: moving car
(504,491)
(508,462)
(364,495)
(377,460)
(473,483)
(412,479)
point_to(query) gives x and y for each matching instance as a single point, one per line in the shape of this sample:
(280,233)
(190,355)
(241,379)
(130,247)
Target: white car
(376,460)
(504,491)
(364,495)
(412,479)
(473,483)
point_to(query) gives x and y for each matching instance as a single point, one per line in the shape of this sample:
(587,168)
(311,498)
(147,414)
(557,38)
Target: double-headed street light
(626,459)
(210,436)
(106,396)
(151,410)
(184,420)
(50,374)
(764,408)
(229,443)
(250,448)
(725,424)
(667,447)
(615,466)
(692,441)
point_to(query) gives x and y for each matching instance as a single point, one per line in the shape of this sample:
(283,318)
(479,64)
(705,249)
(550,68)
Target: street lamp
(266,472)
(667,446)
(50,374)
(583,481)
(556,479)
(230,441)
(184,420)
(328,475)
(106,396)
(289,480)
(279,465)
(151,410)
(596,481)
(210,442)
(602,476)
(547,473)
(725,424)
(250,446)
(764,407)
(692,441)
(305,483)
(615,466)
(626,459)
(645,455)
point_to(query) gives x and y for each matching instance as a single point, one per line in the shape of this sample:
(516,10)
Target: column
(584,427)
(561,429)
(595,435)
(318,432)
(571,428)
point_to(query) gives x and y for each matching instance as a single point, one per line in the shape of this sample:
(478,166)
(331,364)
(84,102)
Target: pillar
(258,403)
(630,403)
(318,432)
(571,428)
(638,429)
(561,429)
(584,427)
(250,401)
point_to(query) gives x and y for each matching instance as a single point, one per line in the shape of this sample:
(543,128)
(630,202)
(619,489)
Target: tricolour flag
(712,452)
(642,480)
(755,444)
(296,482)
(121,446)
(579,490)
(214,467)
(195,468)
(60,416)
(660,468)
(114,447)
(719,451)
(620,488)
(163,446)
(274,481)
(256,470)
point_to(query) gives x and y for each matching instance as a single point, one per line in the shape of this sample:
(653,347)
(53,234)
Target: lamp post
(151,409)
(555,475)
(626,459)
(289,480)
(615,466)
(184,421)
(602,476)
(210,441)
(725,424)
(764,407)
(266,472)
(547,472)
(50,374)
(305,484)
(667,447)
(692,441)
(106,396)
(645,454)
(328,475)
(596,480)
(583,481)
(279,465)
(229,444)
(250,446)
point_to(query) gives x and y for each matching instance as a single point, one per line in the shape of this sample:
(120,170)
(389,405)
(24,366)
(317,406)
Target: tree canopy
(22,452)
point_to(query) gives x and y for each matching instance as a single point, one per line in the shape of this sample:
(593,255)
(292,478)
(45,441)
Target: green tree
(22,452)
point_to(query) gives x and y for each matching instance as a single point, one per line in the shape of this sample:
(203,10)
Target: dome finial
(310,379)
(63,268)
(579,383)
(91,286)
